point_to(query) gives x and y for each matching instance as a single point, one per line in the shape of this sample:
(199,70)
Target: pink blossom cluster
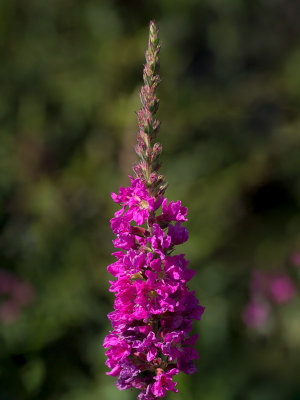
(266,290)
(15,295)
(153,309)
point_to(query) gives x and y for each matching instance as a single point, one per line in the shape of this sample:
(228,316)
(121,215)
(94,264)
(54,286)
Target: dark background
(230,111)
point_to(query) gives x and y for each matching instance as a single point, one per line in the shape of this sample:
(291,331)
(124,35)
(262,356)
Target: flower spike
(150,341)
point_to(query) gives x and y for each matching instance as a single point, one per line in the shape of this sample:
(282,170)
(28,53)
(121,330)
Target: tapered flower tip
(154,28)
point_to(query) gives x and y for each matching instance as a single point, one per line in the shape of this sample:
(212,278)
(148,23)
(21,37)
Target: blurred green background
(230,110)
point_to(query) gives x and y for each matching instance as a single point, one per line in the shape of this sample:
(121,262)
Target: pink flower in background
(267,289)
(15,294)
(282,289)
(256,314)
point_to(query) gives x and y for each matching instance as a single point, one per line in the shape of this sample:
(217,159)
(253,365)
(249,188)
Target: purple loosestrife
(267,290)
(153,310)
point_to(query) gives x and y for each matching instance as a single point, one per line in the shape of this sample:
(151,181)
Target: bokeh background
(230,109)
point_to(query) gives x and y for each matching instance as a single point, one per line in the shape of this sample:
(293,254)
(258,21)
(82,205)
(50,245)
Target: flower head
(153,308)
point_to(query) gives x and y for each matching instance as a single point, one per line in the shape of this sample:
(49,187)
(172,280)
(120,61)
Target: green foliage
(230,101)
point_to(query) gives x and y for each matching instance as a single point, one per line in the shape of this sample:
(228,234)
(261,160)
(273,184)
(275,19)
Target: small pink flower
(179,234)
(164,382)
(256,314)
(267,288)
(282,289)
(174,211)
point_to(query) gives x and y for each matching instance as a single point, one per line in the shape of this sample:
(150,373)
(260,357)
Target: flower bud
(153,178)
(156,125)
(157,149)
(145,138)
(139,151)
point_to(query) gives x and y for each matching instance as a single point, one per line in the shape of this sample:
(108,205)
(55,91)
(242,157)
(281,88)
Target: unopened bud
(148,154)
(152,178)
(156,125)
(145,138)
(138,149)
(153,27)
(138,171)
(160,179)
(153,106)
(157,149)
(155,82)
(153,33)
(144,166)
(141,118)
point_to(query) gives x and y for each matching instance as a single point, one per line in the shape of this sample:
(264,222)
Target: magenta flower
(179,234)
(153,308)
(282,289)
(267,289)
(164,382)
(174,211)
(256,314)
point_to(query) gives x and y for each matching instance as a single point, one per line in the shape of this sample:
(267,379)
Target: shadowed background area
(230,112)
